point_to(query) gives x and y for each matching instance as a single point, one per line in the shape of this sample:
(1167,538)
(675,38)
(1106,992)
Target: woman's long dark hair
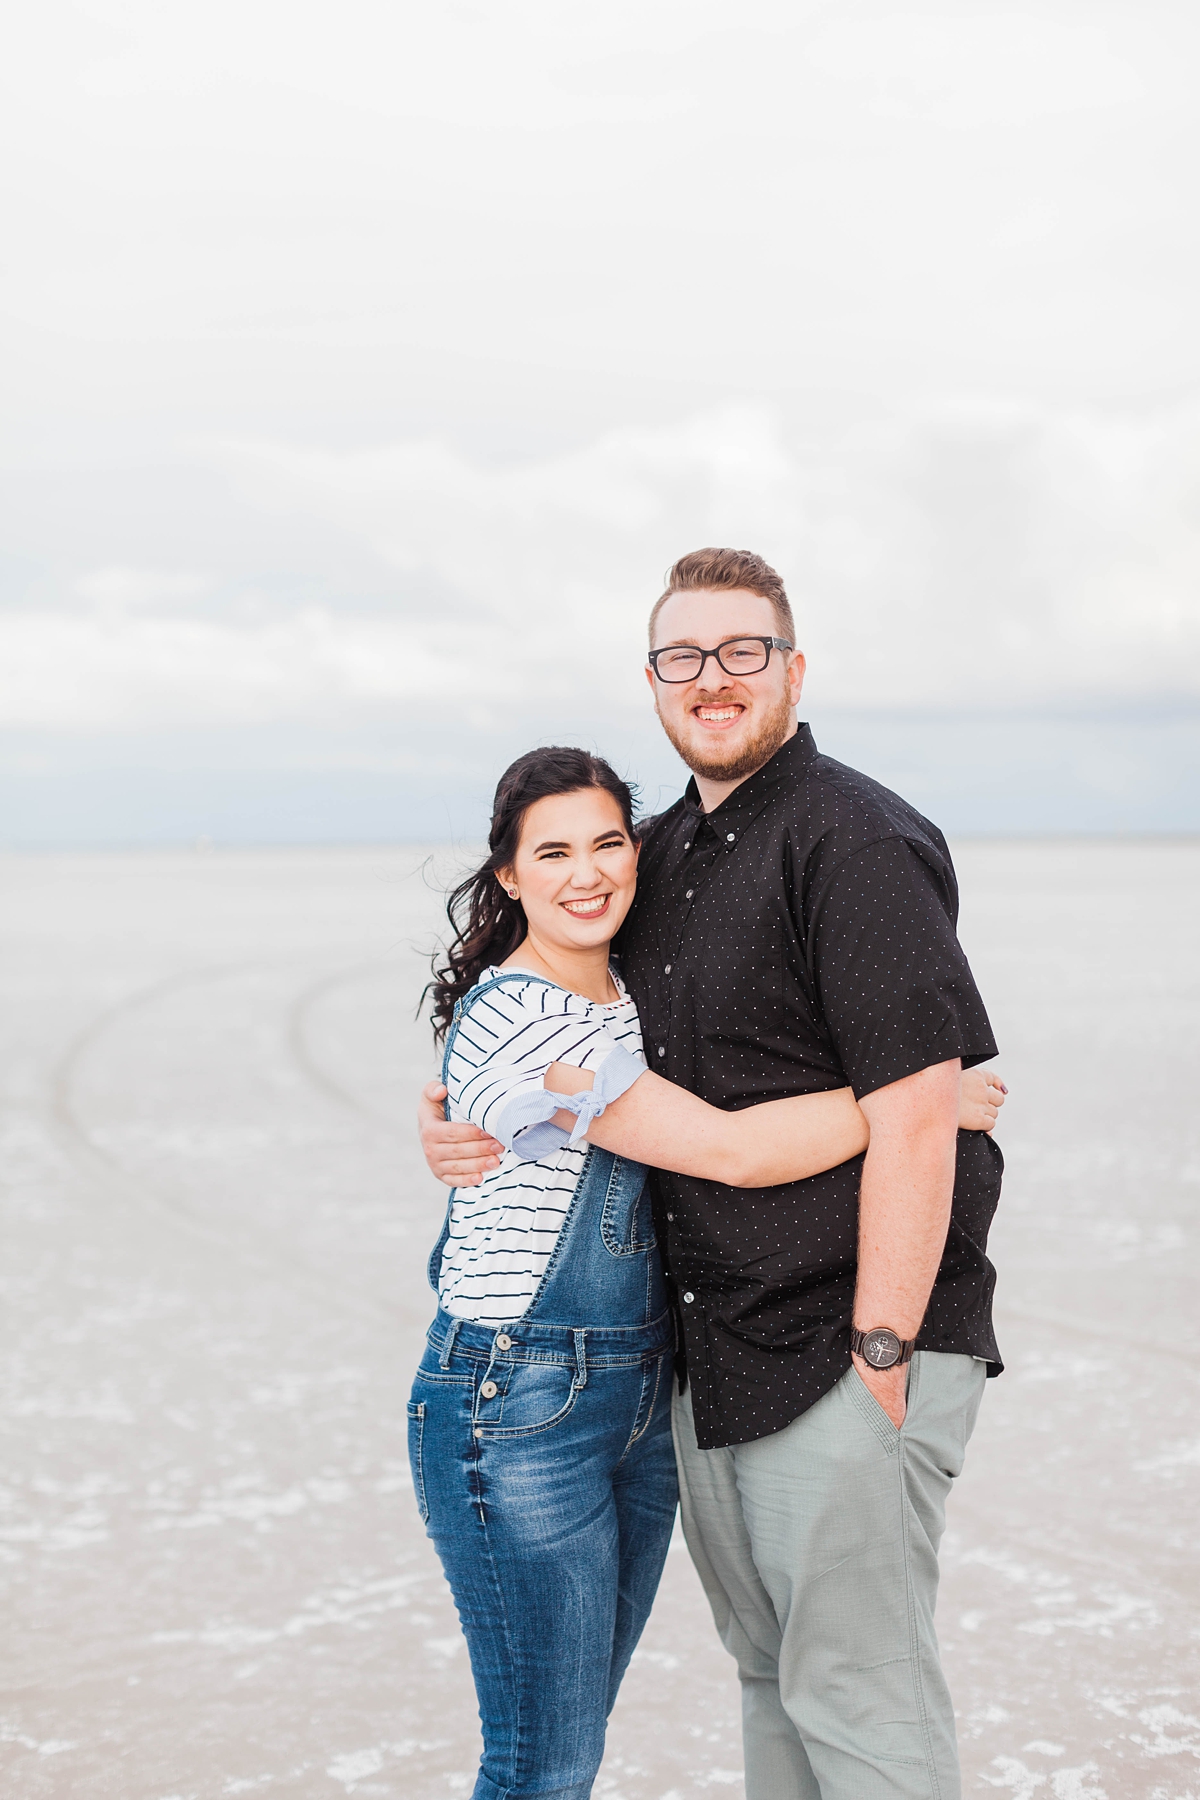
(487,926)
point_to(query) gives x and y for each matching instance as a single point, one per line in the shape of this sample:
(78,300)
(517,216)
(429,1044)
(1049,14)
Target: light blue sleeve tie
(526,1123)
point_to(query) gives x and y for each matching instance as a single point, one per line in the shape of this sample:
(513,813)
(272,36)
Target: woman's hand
(980,1097)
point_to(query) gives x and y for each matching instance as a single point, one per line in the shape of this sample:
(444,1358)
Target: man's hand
(980,1097)
(889,1386)
(459,1155)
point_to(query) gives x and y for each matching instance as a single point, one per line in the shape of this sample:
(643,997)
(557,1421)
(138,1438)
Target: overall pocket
(538,1396)
(627,1221)
(416,1446)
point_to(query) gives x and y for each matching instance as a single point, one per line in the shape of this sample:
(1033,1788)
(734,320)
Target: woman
(539,1425)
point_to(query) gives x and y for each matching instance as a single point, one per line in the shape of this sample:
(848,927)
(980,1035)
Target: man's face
(725,726)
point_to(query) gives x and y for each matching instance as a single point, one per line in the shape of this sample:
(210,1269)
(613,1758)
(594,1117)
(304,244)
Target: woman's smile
(594,907)
(574,871)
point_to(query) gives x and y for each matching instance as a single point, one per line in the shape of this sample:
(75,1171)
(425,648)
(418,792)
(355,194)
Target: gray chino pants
(817,1548)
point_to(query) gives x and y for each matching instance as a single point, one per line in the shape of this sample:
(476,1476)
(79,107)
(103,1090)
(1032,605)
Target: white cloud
(876,197)
(555,560)
(970,556)
(976,68)
(65,672)
(288,282)
(963,558)
(122,589)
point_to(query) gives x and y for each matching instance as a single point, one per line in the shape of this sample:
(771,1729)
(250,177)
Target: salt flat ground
(216,1225)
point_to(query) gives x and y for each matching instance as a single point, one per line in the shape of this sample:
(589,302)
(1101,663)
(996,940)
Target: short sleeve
(895,987)
(506,1040)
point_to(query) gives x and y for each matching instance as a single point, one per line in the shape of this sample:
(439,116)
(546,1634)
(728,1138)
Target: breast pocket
(627,1221)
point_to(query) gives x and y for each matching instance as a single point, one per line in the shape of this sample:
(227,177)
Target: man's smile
(718,716)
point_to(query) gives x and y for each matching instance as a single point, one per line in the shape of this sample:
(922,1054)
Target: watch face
(881,1348)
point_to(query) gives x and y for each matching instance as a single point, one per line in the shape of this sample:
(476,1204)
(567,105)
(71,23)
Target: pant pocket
(865,1402)
(416,1447)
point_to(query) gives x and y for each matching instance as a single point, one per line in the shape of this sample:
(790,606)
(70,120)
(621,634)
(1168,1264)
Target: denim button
(688,1298)
(504,1342)
(478,1431)
(489,1390)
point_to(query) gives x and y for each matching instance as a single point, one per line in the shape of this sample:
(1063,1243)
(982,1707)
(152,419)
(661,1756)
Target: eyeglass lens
(742,656)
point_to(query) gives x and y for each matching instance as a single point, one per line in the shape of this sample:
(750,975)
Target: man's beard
(735,764)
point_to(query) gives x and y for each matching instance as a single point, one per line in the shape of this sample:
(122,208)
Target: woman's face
(575,870)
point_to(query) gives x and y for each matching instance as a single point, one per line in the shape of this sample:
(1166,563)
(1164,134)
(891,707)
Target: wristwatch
(881,1347)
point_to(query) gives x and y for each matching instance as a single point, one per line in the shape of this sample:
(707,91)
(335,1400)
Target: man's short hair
(728,569)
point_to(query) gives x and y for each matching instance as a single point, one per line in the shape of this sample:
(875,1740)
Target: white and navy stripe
(503,1232)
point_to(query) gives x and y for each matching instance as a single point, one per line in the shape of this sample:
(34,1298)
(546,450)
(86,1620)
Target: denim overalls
(542,1462)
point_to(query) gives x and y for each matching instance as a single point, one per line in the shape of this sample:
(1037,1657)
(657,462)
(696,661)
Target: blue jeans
(550,1502)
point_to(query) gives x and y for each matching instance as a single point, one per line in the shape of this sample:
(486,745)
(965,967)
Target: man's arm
(904,1212)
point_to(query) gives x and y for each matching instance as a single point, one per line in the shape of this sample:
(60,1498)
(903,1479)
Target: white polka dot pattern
(799,938)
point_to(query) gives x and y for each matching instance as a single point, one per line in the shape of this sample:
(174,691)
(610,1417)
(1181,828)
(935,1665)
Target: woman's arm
(779,1140)
(658,1123)
(461,1155)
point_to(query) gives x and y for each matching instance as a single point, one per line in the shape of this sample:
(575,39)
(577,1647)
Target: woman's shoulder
(504,1006)
(512,1013)
(522,990)
(516,993)
(517,980)
(517,990)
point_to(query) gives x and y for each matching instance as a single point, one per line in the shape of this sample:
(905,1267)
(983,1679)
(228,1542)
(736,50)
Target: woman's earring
(512,893)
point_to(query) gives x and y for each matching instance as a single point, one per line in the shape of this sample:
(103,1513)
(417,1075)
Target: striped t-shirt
(502,1233)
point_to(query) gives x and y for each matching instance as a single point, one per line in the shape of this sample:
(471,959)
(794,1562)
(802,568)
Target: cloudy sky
(366,365)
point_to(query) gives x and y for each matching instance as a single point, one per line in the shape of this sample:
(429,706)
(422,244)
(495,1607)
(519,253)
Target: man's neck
(713,793)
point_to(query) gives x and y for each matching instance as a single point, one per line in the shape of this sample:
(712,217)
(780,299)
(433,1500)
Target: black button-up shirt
(800,938)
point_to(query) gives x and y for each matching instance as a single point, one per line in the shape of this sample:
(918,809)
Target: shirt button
(688,845)
(670,1218)
(729,836)
(666,968)
(503,1342)
(489,1390)
(662,1049)
(689,893)
(688,1298)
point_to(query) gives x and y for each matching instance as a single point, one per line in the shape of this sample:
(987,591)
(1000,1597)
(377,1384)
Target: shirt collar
(788,762)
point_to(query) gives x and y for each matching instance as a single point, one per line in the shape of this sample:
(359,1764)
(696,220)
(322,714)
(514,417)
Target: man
(794,931)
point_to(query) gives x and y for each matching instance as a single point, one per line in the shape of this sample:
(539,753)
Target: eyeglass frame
(743,637)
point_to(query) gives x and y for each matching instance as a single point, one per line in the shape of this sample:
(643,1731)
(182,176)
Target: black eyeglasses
(737,656)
